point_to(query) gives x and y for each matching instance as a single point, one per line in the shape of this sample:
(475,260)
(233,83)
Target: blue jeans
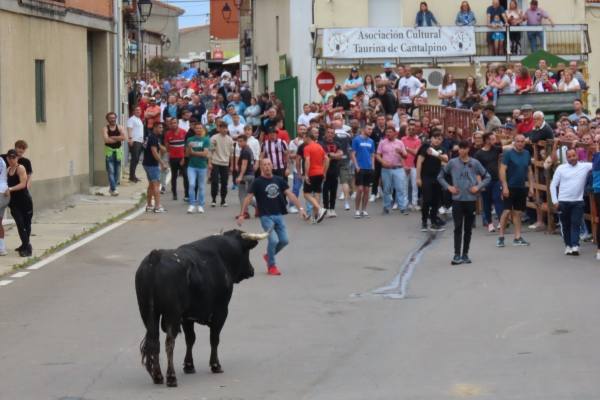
(278,237)
(113,168)
(492,195)
(297,184)
(571,215)
(196,179)
(533,38)
(494,93)
(394,179)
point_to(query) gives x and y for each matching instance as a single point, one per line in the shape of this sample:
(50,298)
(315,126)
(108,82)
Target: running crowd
(355,146)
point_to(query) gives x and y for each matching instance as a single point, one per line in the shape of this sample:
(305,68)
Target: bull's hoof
(171,381)
(189,369)
(216,369)
(158,380)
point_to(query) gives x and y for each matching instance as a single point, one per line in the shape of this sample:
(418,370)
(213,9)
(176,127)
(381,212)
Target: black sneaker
(466,259)
(500,241)
(162,190)
(436,228)
(440,222)
(520,242)
(424,227)
(186,199)
(174,197)
(457,260)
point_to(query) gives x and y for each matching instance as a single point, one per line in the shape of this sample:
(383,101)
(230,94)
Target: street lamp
(145,9)
(226,12)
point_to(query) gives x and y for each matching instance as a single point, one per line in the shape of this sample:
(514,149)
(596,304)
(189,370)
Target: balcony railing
(569,41)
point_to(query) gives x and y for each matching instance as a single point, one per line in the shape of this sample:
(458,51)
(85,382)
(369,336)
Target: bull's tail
(144,287)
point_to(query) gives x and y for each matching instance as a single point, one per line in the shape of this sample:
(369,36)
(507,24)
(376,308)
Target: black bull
(191,284)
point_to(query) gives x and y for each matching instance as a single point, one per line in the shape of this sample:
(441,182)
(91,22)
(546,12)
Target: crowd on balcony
(497,19)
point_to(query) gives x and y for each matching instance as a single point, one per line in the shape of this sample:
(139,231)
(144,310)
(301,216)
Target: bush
(163,67)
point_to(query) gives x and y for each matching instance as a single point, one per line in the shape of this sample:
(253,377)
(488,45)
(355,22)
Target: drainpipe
(117,37)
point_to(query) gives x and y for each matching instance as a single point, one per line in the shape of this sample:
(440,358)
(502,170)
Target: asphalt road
(519,323)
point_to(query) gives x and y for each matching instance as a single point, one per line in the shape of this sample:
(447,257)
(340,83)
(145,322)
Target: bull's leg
(170,346)
(216,325)
(190,339)
(151,349)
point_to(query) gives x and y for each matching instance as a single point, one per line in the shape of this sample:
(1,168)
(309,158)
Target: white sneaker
(346,206)
(159,210)
(365,214)
(491,228)
(442,210)
(378,195)
(353,196)
(3,252)
(293,210)
(341,196)
(372,198)
(191,209)
(598,256)
(328,213)
(568,250)
(332,214)
(575,250)
(357,214)
(395,206)
(200,209)
(417,208)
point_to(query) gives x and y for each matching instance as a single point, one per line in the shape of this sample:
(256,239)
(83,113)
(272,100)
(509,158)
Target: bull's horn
(255,236)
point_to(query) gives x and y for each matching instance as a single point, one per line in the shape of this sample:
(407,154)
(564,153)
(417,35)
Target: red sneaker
(273,270)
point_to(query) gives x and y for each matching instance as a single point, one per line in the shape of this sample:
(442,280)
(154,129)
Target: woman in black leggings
(21,205)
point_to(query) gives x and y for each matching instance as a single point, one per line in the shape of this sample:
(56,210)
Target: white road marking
(20,274)
(85,241)
(5,282)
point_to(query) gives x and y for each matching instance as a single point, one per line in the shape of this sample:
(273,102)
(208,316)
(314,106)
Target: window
(277,33)
(40,91)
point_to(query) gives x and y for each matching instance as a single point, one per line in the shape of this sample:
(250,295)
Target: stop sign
(325,80)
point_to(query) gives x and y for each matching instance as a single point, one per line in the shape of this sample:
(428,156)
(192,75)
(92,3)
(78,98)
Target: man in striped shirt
(175,143)
(276,150)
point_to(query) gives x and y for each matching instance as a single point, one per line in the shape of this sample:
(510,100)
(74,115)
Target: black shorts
(364,177)
(517,199)
(315,185)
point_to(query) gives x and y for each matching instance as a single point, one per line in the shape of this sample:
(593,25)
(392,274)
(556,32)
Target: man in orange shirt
(315,167)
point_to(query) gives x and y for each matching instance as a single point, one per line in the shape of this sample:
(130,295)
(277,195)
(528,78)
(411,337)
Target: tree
(163,67)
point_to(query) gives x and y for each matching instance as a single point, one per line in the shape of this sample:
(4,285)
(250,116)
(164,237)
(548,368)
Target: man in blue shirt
(363,158)
(515,171)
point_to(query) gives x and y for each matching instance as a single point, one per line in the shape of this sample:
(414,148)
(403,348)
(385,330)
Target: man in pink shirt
(412,143)
(535,16)
(391,153)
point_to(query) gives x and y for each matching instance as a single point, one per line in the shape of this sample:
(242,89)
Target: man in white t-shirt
(408,86)
(236,128)
(307,116)
(135,140)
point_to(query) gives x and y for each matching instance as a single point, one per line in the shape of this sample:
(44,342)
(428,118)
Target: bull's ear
(249,244)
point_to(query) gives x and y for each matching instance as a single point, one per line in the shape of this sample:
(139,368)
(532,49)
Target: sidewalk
(72,218)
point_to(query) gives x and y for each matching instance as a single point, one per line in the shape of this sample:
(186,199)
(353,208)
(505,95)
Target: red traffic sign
(325,80)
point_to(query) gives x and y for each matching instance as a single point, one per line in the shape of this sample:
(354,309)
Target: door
(287,91)
(263,78)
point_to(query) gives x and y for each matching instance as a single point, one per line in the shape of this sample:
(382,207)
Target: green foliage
(163,67)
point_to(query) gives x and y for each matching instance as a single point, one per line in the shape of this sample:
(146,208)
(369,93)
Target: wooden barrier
(455,117)
(543,177)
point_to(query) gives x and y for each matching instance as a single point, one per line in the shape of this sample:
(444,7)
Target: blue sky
(194,11)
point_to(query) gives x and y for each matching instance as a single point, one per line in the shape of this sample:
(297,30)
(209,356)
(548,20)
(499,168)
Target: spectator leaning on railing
(465,17)
(425,17)
(534,17)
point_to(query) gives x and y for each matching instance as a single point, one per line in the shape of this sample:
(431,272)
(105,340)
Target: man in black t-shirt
(245,169)
(489,157)
(153,164)
(270,192)
(429,163)
(330,185)
(20,148)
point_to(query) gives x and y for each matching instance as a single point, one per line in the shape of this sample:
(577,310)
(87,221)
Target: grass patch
(78,236)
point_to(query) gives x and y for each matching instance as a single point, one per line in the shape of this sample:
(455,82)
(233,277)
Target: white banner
(446,41)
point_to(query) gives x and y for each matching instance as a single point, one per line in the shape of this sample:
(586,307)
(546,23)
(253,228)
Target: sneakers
(491,228)
(186,199)
(113,193)
(175,197)
(273,270)
(163,190)
(365,214)
(395,206)
(341,196)
(520,242)
(331,214)
(456,260)
(404,212)
(159,210)
(353,196)
(3,252)
(436,228)
(293,210)
(213,203)
(149,208)
(386,211)
(575,250)
(500,241)
(417,208)
(537,227)
(346,206)
(372,198)
(597,256)
(224,204)
(424,227)
(191,209)
(357,214)
(200,209)
(466,259)
(442,210)
(321,215)
(568,251)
